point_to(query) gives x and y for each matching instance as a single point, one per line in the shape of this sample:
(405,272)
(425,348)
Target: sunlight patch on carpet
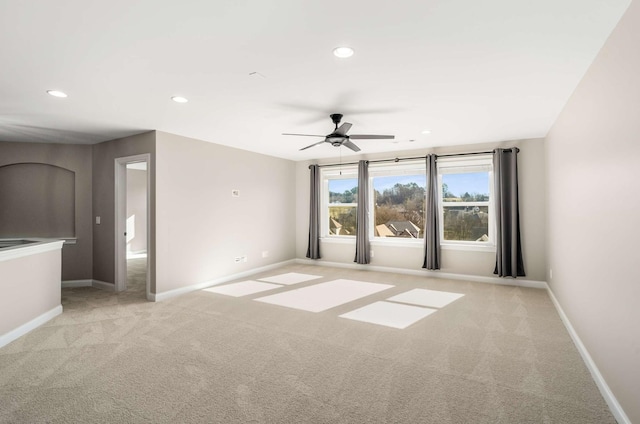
(323,296)
(423,297)
(290,278)
(389,314)
(243,288)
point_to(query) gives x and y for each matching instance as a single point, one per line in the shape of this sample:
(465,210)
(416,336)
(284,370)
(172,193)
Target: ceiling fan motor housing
(336,118)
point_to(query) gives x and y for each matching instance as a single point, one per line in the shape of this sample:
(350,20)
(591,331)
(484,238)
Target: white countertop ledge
(22,250)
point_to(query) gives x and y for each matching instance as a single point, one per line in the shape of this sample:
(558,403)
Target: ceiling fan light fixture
(179,99)
(57,93)
(343,52)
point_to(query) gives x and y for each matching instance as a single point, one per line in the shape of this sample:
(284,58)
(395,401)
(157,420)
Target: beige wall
(531,170)
(22,277)
(137,210)
(38,200)
(76,258)
(593,161)
(104,155)
(200,227)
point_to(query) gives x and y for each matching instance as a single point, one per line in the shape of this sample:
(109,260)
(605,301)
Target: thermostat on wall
(235,193)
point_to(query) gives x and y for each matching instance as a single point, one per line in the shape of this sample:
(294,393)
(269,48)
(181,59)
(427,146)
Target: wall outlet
(235,193)
(265,253)
(371,254)
(97,220)
(550,274)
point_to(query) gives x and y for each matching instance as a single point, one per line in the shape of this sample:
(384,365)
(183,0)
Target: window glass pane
(467,223)
(342,221)
(465,187)
(399,205)
(343,190)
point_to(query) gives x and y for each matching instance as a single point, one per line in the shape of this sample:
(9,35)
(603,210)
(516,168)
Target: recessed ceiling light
(56,93)
(343,52)
(179,99)
(426,132)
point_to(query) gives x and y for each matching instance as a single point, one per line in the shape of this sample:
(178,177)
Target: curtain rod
(414,158)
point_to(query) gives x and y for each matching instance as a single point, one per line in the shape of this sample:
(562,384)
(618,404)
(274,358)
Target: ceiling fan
(339,136)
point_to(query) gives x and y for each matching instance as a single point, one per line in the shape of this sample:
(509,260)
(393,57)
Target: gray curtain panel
(509,261)
(363,255)
(313,251)
(432,217)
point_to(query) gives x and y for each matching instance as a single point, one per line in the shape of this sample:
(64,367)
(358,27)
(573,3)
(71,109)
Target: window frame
(413,167)
(408,167)
(347,172)
(471,164)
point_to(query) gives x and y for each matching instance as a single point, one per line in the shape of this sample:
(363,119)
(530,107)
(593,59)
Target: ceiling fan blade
(314,144)
(305,135)
(351,146)
(372,137)
(343,129)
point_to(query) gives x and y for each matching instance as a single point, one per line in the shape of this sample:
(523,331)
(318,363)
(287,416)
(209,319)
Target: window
(466,201)
(398,200)
(340,201)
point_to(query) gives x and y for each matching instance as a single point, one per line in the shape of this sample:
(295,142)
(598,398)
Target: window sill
(468,247)
(416,243)
(338,240)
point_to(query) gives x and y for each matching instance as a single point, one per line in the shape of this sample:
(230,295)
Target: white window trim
(338,240)
(448,165)
(413,167)
(348,172)
(397,242)
(461,165)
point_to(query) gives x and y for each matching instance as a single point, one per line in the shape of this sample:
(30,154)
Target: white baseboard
(199,286)
(76,283)
(89,283)
(134,255)
(103,286)
(606,392)
(427,273)
(12,335)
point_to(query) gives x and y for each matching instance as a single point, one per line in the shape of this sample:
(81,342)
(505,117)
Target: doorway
(132,182)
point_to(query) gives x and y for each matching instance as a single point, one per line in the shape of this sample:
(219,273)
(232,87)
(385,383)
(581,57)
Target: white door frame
(121,219)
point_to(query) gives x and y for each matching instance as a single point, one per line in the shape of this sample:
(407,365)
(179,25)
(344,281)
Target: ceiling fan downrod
(336,118)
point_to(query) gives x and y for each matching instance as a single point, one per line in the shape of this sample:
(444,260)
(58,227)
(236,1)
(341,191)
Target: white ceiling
(470,71)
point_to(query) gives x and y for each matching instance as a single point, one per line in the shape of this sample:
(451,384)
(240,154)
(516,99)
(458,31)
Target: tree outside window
(465,206)
(342,207)
(399,206)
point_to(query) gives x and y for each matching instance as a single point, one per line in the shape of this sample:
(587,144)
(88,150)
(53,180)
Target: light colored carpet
(137,275)
(497,355)
(323,296)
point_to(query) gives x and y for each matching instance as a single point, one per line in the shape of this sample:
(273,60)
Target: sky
(340,186)
(472,182)
(476,182)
